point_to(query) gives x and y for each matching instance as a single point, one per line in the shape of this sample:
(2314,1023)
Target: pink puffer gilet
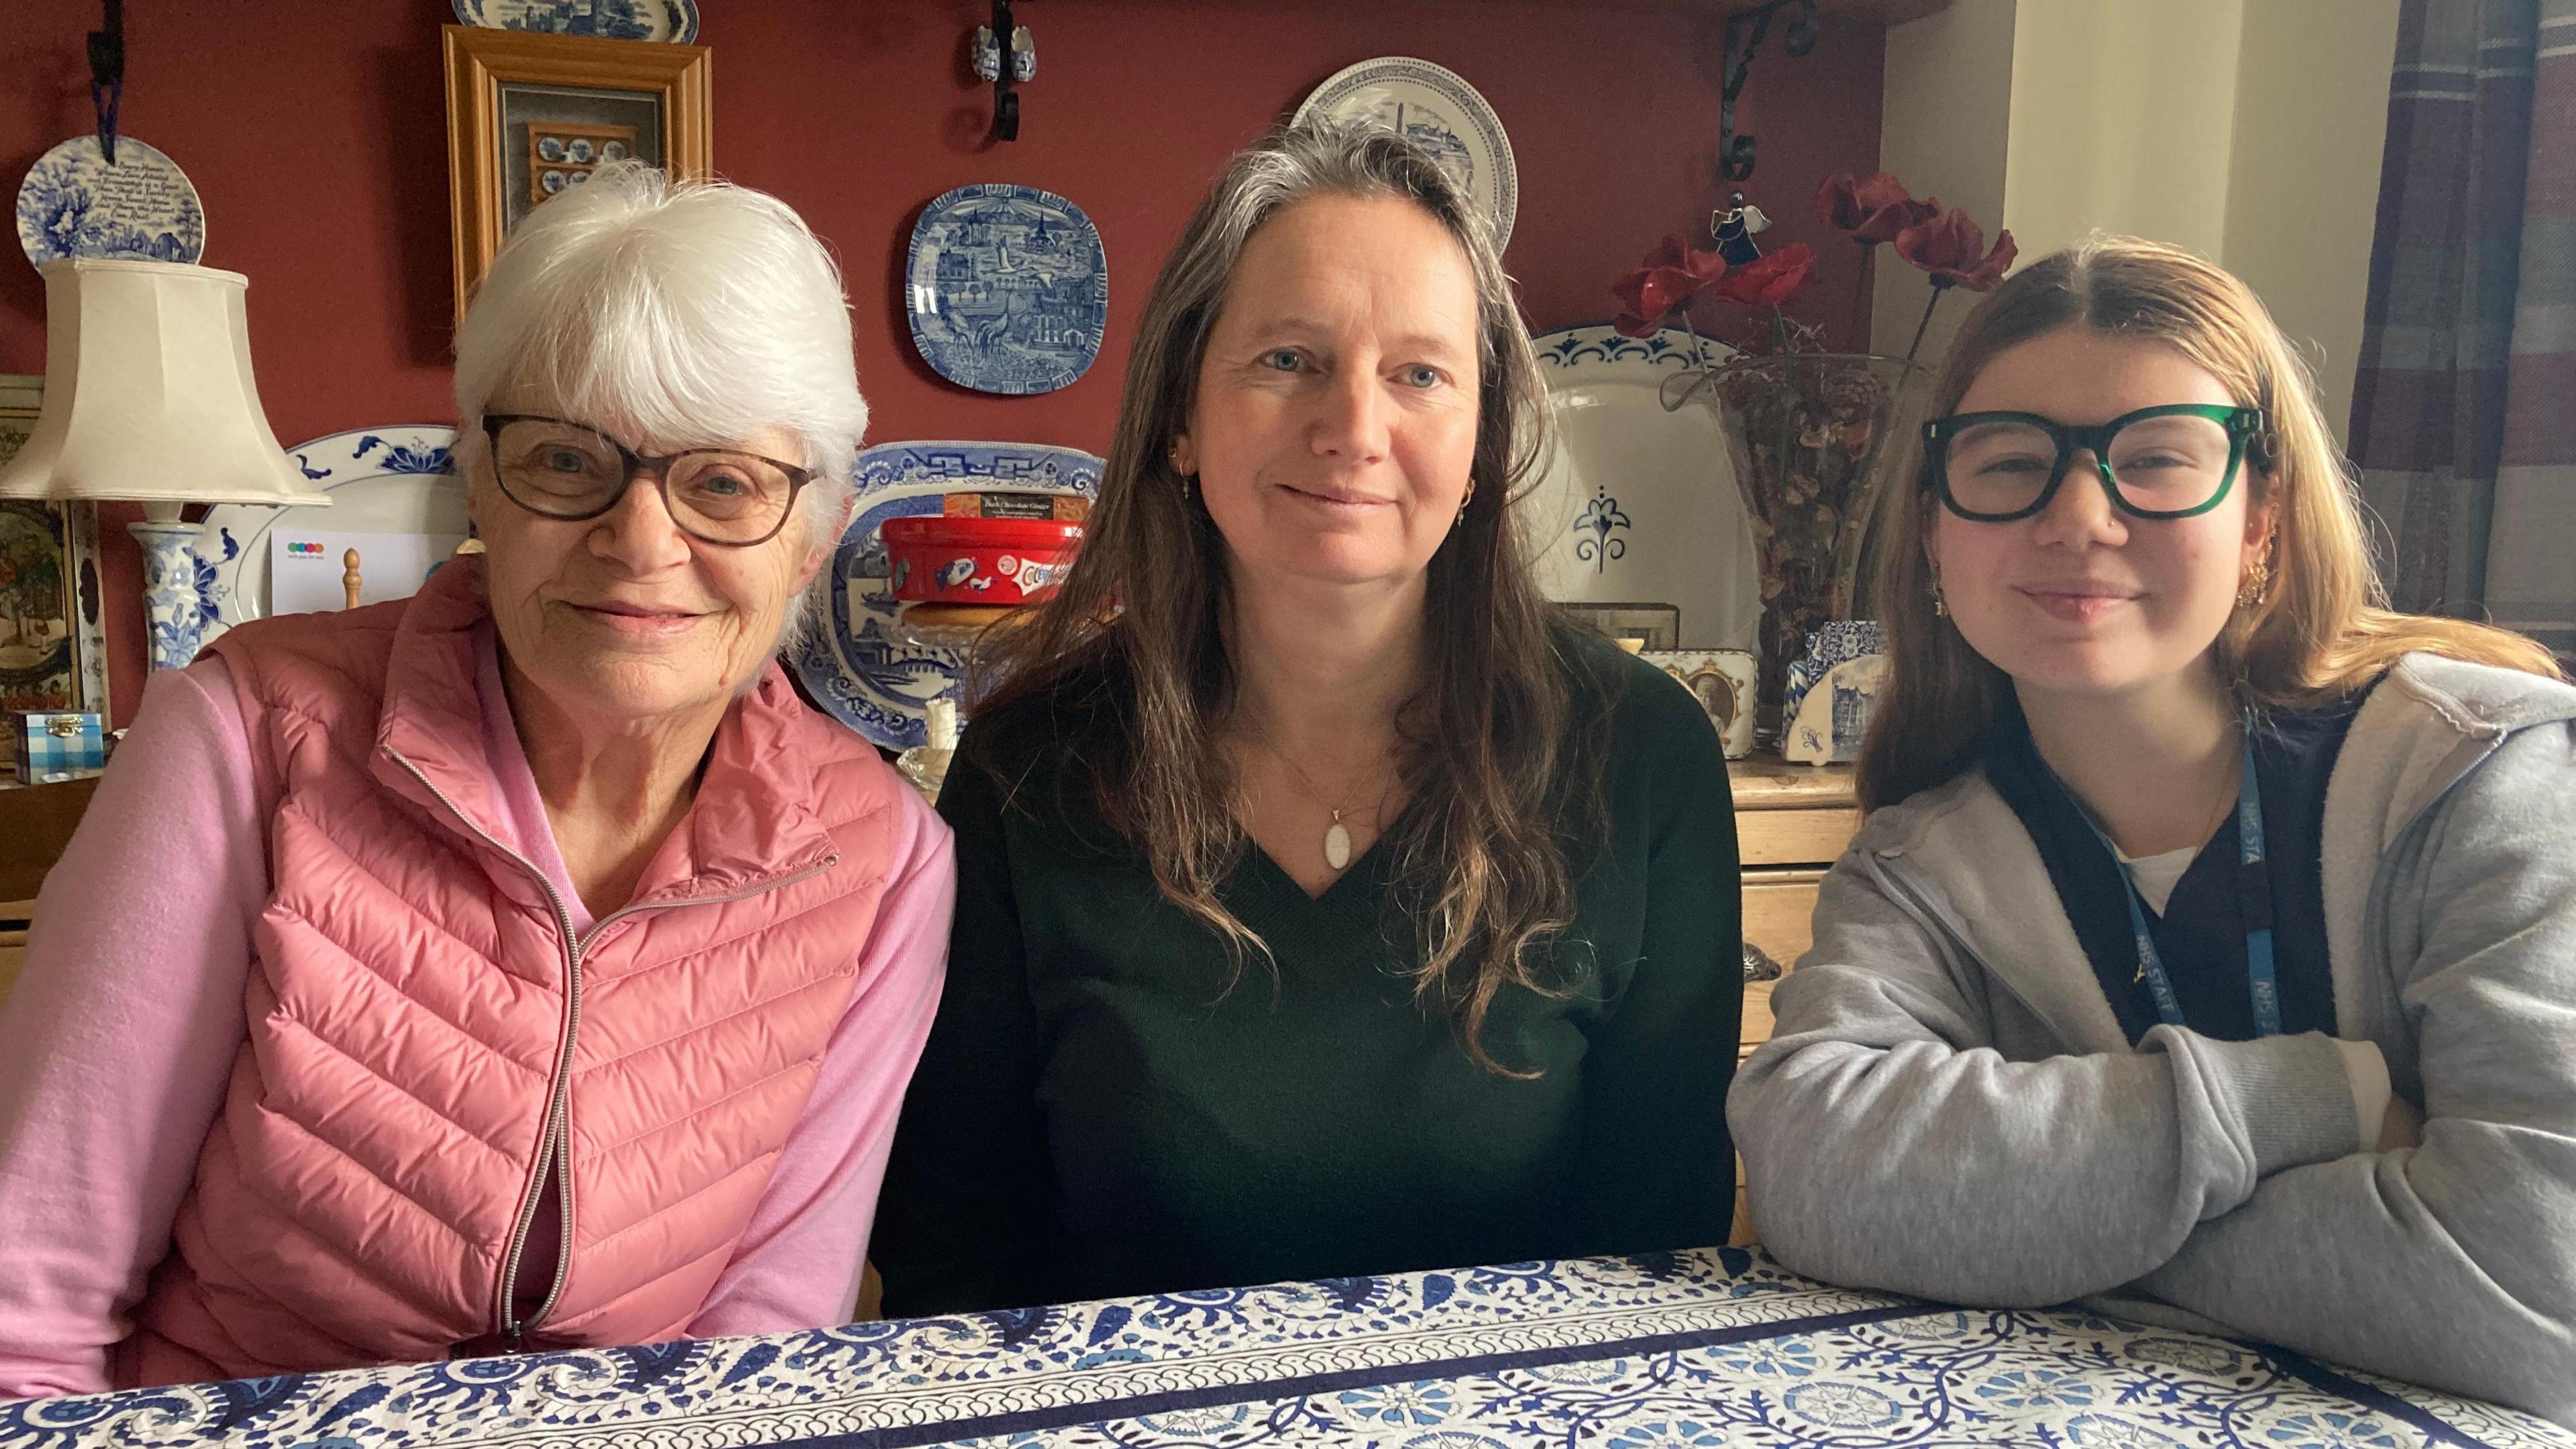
(414,1056)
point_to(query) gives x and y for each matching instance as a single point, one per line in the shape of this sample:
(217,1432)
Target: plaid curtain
(2464,410)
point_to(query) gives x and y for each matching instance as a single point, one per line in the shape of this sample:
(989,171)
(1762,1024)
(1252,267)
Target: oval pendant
(1337,846)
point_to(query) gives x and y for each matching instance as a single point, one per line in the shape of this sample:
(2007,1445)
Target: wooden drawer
(1779,906)
(37,821)
(1757,1016)
(13,942)
(1794,837)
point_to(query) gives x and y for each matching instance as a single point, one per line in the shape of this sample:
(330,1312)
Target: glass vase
(1814,438)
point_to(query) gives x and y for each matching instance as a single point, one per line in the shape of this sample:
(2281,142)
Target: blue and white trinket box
(1826,707)
(56,744)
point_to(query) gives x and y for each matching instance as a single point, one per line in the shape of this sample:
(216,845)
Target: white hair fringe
(675,314)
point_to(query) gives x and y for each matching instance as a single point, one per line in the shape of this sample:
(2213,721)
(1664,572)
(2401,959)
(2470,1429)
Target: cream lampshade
(149,399)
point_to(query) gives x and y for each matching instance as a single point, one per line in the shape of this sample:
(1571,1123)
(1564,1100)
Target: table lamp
(149,399)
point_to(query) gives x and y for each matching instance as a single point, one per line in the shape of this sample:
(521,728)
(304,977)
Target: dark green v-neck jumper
(1096,1114)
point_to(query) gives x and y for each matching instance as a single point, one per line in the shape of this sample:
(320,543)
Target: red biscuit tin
(1007,561)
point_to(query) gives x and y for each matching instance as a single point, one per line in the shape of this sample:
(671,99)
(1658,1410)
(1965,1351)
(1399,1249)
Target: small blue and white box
(57,744)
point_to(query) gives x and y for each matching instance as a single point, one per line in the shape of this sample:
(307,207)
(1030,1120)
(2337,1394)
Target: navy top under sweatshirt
(2201,933)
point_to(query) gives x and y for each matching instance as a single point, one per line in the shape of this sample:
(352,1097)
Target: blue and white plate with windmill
(1007,288)
(671,20)
(397,479)
(1637,505)
(864,671)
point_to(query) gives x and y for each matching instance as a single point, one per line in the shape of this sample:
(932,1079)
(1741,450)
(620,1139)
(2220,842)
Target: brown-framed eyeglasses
(568,471)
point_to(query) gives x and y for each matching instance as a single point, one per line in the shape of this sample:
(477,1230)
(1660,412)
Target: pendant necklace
(1337,836)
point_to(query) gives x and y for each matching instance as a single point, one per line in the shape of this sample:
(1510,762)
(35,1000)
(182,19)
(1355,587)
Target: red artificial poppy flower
(1771,279)
(1670,277)
(1873,209)
(1948,248)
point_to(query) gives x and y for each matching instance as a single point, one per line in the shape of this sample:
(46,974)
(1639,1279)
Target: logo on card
(303,550)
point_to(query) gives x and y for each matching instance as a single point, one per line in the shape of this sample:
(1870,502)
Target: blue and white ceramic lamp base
(172,606)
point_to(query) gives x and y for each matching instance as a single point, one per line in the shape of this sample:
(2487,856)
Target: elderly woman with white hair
(521,964)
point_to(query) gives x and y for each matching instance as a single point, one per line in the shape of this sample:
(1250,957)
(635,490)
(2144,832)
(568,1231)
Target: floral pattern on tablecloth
(1667,1351)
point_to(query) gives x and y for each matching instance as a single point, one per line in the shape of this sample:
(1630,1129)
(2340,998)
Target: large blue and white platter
(861,669)
(1433,107)
(143,208)
(396,479)
(672,20)
(1007,288)
(1636,504)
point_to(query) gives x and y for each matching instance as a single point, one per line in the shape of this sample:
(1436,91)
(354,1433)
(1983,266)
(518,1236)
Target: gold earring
(1940,603)
(2257,582)
(1462,505)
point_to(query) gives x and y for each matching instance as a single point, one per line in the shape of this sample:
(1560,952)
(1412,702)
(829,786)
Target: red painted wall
(315,132)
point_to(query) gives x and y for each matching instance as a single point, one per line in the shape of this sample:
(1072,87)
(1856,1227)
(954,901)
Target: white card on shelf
(305,566)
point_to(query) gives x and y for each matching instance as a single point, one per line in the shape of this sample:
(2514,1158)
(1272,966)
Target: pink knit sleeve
(799,1262)
(118,1038)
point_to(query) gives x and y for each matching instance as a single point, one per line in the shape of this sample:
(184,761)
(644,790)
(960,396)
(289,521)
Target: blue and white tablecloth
(1674,1351)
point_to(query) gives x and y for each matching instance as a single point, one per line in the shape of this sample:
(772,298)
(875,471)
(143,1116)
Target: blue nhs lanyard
(2254,889)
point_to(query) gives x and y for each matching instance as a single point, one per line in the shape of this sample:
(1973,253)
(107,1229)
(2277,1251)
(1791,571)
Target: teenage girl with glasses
(2210,949)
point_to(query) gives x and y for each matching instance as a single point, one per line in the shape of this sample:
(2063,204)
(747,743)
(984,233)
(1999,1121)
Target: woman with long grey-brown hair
(1329,904)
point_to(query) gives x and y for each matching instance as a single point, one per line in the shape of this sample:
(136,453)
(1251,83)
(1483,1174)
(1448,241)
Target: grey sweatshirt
(1948,1106)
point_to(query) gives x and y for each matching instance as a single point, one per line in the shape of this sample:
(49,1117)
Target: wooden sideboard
(1791,824)
(36,822)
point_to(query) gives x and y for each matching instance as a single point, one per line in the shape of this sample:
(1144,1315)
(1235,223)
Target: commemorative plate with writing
(143,208)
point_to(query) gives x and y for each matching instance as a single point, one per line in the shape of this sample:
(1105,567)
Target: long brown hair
(2321,631)
(1504,781)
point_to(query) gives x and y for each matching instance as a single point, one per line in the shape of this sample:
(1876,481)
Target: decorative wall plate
(143,208)
(672,20)
(1635,502)
(1433,107)
(861,669)
(397,479)
(1007,287)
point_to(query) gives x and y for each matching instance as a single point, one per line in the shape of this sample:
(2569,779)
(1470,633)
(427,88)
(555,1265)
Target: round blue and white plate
(860,669)
(143,208)
(671,20)
(1007,287)
(398,479)
(1436,109)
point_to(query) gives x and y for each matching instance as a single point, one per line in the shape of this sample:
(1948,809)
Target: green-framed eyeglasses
(2174,461)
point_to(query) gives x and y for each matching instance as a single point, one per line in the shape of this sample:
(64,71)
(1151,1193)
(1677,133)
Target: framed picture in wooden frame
(1639,627)
(531,115)
(53,653)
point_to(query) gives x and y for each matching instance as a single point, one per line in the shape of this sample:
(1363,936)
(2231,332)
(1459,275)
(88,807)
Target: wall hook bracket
(1006,55)
(107,72)
(1745,32)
